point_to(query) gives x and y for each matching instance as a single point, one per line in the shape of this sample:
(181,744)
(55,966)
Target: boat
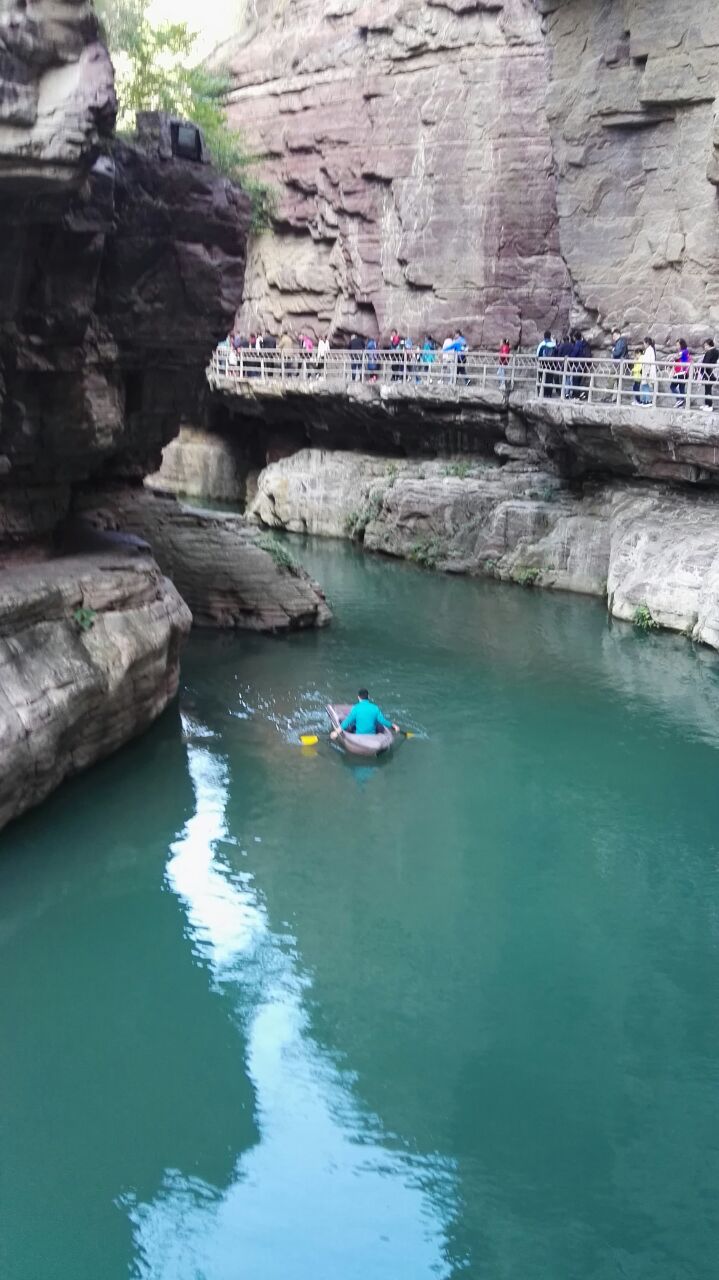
(359,744)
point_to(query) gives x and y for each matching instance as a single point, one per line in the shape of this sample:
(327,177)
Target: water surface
(271,1014)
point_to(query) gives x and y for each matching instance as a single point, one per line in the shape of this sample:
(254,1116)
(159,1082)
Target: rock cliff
(111,295)
(496,164)
(120,267)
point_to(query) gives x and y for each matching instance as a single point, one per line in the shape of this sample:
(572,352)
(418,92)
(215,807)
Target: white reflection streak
(317,1198)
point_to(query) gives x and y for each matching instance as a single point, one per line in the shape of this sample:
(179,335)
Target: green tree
(156,70)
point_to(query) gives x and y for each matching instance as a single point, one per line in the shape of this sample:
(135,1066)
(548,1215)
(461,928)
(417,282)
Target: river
(271,1014)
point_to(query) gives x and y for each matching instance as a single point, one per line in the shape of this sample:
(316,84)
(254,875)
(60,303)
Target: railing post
(241,365)
(404,367)
(690,379)
(590,392)
(565,368)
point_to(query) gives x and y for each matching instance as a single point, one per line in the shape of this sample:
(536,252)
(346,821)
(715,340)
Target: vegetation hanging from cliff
(156,69)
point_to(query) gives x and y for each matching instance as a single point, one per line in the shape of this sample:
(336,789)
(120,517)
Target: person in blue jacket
(365,717)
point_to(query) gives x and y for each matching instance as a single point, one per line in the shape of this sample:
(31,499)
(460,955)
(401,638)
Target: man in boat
(365,717)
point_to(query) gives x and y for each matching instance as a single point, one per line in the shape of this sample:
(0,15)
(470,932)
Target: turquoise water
(270,1014)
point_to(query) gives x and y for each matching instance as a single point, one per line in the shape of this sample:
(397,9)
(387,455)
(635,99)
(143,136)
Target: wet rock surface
(89,657)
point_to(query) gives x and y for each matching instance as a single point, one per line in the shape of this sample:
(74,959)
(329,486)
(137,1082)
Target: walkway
(477,375)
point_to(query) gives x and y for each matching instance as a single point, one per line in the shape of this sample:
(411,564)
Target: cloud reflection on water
(321,1195)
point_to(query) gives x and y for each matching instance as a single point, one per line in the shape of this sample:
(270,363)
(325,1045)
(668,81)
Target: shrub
(643,619)
(157,69)
(525,577)
(84,618)
(356,521)
(280,555)
(459,469)
(425,552)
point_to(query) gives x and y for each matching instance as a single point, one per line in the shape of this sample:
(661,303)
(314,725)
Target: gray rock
(217,562)
(75,687)
(636,544)
(202,464)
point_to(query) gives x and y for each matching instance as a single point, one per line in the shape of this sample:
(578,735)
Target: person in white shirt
(649,372)
(323,350)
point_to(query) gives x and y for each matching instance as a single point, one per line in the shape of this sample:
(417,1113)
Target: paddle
(309,739)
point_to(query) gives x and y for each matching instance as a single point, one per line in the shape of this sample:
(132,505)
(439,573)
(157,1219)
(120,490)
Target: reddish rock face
(501,165)
(411,150)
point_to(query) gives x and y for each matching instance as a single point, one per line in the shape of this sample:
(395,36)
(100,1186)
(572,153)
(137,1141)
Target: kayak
(359,744)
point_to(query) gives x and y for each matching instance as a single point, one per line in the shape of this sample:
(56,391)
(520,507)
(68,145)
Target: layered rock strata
(412,156)
(89,657)
(498,164)
(519,522)
(217,562)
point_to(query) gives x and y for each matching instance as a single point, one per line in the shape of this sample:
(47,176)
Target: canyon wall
(501,165)
(120,267)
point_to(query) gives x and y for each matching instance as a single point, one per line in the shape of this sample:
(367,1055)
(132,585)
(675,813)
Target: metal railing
(467,374)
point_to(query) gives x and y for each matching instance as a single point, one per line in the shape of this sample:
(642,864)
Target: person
(461,346)
(286,347)
(365,717)
(372,359)
(682,363)
(546,350)
(269,343)
(307,347)
(505,351)
(581,352)
(709,373)
(564,351)
(428,356)
(649,371)
(356,345)
(395,343)
(323,350)
(223,352)
(449,360)
(637,374)
(620,346)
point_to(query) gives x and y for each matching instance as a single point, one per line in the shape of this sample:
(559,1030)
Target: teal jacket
(366,717)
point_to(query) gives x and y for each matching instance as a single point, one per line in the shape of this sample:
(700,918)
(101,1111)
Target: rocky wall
(634,544)
(502,165)
(111,298)
(412,155)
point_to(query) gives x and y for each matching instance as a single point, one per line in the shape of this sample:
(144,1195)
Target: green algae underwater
(274,1014)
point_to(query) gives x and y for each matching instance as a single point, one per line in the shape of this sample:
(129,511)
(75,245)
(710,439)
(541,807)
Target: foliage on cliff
(156,70)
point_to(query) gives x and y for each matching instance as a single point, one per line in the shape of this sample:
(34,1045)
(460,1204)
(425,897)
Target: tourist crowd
(563,364)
